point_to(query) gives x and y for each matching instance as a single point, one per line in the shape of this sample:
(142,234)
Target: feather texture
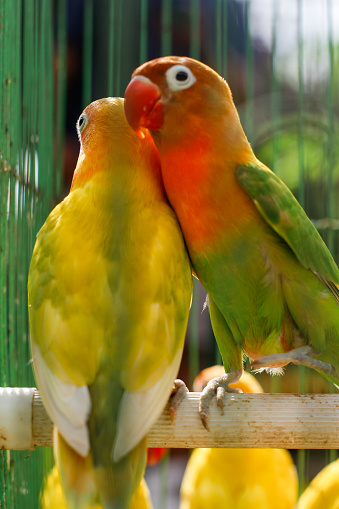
(109,292)
(272,281)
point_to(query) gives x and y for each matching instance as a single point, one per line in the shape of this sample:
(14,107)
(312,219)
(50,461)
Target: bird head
(167,92)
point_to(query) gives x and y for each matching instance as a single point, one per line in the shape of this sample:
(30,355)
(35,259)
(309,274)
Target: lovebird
(109,292)
(238,478)
(272,282)
(52,495)
(323,491)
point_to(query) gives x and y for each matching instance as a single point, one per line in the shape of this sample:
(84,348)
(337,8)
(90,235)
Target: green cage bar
(31,129)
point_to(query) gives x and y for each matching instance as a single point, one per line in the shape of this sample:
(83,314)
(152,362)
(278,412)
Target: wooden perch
(291,421)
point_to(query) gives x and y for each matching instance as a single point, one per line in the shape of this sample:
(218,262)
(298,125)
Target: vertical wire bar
(218,44)
(4,16)
(275,385)
(110,52)
(7,18)
(331,152)
(12,239)
(118,84)
(249,72)
(275,99)
(221,34)
(41,210)
(301,458)
(11,113)
(2,80)
(45,457)
(166,27)
(13,461)
(301,190)
(331,131)
(193,346)
(35,140)
(35,94)
(36,99)
(60,103)
(224,39)
(16,138)
(87,53)
(47,86)
(195,29)
(301,158)
(48,162)
(29,108)
(164,476)
(38,159)
(143,31)
(41,163)
(218,68)
(33,155)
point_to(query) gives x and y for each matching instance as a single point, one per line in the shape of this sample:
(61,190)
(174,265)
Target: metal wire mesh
(32,112)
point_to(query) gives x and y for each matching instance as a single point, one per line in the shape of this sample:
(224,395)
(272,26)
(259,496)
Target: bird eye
(82,122)
(180,77)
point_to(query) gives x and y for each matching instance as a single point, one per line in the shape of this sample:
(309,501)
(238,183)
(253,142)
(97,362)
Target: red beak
(143,107)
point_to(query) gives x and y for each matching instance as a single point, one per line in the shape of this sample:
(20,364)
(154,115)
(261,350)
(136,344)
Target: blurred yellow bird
(238,478)
(323,491)
(52,496)
(109,292)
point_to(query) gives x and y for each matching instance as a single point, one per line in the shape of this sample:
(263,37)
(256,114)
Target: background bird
(52,495)
(323,491)
(109,294)
(238,478)
(272,283)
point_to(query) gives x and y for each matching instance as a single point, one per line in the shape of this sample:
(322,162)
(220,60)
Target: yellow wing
(127,299)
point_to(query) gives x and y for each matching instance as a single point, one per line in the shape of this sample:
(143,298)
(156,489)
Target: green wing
(283,213)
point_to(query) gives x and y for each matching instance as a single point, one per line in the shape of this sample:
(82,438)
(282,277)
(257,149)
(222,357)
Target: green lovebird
(272,283)
(109,293)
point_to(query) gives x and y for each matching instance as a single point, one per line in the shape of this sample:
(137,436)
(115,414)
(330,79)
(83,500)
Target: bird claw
(301,355)
(217,387)
(179,392)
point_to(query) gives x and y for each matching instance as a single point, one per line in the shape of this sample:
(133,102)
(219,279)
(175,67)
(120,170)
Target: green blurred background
(281,60)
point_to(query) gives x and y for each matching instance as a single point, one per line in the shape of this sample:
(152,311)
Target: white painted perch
(291,421)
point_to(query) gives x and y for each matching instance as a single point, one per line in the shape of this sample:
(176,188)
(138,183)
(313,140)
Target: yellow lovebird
(238,478)
(109,293)
(323,491)
(52,496)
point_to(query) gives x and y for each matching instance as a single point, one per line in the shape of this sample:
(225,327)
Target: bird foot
(179,392)
(217,387)
(297,356)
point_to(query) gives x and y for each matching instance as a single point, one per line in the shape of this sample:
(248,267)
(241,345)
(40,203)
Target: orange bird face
(170,92)
(189,110)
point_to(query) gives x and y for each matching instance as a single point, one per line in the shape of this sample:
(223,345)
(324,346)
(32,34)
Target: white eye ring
(81,123)
(179,77)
